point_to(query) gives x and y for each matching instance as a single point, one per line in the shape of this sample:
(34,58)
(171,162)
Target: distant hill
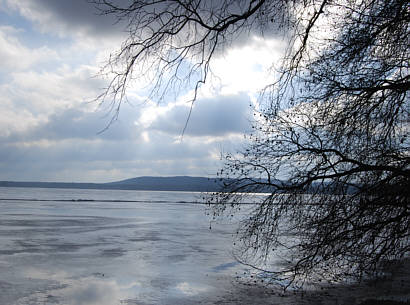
(178,183)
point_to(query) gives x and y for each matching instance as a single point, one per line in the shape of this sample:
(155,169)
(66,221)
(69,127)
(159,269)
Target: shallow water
(65,246)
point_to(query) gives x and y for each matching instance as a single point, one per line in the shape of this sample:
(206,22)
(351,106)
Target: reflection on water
(189,289)
(86,290)
(148,248)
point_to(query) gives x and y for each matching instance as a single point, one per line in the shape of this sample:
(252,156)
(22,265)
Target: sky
(50,124)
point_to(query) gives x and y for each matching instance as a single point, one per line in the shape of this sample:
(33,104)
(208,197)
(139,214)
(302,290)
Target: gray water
(67,246)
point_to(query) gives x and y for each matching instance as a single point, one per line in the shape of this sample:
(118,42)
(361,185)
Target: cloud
(76,18)
(15,56)
(104,161)
(217,116)
(67,146)
(76,123)
(49,131)
(60,140)
(28,98)
(246,68)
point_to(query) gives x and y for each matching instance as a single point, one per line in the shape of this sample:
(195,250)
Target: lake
(72,246)
(108,247)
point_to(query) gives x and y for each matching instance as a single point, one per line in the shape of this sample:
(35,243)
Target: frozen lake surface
(69,246)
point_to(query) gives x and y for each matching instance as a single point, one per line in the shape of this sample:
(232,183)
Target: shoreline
(391,289)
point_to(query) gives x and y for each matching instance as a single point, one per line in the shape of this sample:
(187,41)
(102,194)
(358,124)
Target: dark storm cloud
(73,16)
(217,116)
(86,17)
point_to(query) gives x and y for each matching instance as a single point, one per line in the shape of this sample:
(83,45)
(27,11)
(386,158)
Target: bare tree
(330,143)
(331,147)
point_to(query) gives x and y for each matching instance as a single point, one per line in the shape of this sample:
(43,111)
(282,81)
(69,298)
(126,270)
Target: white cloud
(246,68)
(30,97)
(16,57)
